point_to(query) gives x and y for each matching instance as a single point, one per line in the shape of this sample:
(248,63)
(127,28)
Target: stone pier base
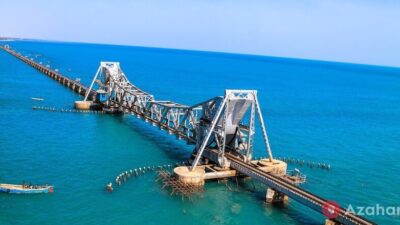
(83,105)
(273,196)
(331,222)
(194,177)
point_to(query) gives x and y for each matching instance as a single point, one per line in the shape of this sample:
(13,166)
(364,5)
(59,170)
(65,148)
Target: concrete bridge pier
(331,222)
(192,177)
(273,196)
(83,105)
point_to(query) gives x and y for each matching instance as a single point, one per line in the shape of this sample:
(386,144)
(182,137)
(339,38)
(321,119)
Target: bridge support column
(83,105)
(274,196)
(331,222)
(187,176)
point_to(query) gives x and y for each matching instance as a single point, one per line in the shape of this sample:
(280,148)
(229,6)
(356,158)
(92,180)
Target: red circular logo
(330,209)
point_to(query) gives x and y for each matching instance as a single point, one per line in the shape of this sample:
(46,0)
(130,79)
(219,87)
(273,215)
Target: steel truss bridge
(221,128)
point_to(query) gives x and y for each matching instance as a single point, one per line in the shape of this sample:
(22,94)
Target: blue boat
(25,189)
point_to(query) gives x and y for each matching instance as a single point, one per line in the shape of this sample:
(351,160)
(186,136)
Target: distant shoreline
(10,39)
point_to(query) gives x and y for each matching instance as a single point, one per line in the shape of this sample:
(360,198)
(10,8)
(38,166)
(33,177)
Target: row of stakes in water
(52,109)
(124,176)
(302,162)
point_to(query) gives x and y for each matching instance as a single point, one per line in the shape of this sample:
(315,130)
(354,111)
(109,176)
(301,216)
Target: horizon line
(201,51)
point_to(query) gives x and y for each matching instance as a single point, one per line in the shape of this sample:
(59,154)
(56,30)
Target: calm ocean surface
(343,114)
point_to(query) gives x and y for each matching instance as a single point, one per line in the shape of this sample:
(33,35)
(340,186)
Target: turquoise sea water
(343,114)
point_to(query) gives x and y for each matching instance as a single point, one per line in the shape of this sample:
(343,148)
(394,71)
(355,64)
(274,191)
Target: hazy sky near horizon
(359,31)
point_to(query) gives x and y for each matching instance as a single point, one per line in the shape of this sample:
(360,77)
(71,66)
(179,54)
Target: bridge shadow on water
(175,150)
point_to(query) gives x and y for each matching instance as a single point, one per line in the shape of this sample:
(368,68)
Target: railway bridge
(221,128)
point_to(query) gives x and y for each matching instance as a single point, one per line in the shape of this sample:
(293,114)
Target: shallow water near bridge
(343,114)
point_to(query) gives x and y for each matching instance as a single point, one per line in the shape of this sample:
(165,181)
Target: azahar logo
(330,209)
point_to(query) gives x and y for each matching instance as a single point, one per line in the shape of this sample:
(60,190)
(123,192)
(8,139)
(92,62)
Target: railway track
(311,200)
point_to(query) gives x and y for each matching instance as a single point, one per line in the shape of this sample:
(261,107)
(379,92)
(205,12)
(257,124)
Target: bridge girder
(226,123)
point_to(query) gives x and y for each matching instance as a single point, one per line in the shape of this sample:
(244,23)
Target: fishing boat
(26,189)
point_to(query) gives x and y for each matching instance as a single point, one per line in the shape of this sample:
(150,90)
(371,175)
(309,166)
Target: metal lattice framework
(226,123)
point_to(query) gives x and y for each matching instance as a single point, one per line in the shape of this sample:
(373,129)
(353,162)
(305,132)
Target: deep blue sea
(345,115)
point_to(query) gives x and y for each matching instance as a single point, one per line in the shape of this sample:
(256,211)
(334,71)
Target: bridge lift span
(226,123)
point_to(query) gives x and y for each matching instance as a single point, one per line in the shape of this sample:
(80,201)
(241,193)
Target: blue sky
(360,31)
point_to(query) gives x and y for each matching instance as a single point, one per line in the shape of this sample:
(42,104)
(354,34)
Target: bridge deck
(76,86)
(302,196)
(306,198)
